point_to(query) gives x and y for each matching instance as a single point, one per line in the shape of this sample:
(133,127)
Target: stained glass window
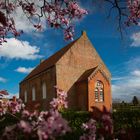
(99,91)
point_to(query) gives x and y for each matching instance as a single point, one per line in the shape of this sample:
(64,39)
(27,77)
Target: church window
(101,95)
(96,94)
(25,96)
(44,91)
(99,91)
(33,94)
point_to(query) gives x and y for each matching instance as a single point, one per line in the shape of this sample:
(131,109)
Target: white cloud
(125,92)
(133,64)
(136,73)
(23,23)
(10,96)
(24,70)
(17,49)
(2,80)
(118,78)
(135,39)
(126,88)
(127,84)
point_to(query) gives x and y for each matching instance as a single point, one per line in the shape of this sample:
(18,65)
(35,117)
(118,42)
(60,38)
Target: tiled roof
(90,72)
(86,74)
(51,61)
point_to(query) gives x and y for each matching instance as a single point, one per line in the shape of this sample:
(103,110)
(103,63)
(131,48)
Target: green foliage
(75,119)
(127,119)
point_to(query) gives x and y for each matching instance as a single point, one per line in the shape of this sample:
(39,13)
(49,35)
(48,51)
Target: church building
(78,70)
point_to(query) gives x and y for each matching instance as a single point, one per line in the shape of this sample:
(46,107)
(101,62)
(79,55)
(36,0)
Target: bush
(127,121)
(75,119)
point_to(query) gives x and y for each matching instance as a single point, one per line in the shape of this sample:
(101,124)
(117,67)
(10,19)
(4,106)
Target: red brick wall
(107,93)
(82,95)
(79,58)
(49,78)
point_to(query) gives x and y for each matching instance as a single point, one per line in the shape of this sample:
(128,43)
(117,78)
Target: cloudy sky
(121,55)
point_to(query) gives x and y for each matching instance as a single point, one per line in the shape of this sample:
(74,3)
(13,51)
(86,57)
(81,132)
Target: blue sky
(122,56)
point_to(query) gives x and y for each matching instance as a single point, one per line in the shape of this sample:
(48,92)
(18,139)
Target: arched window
(44,91)
(25,96)
(33,94)
(99,91)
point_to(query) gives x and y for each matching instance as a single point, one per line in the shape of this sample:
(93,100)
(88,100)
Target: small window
(99,91)
(33,94)
(96,94)
(44,92)
(25,96)
(101,95)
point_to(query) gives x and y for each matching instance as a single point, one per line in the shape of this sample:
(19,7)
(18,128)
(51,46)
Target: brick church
(78,70)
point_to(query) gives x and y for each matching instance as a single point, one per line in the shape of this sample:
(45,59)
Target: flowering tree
(60,14)
(90,127)
(127,12)
(49,124)
(40,125)
(3,92)
(60,102)
(134,9)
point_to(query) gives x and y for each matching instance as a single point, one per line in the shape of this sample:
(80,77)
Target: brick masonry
(65,73)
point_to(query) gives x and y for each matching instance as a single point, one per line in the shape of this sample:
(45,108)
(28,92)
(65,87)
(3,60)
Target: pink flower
(25,126)
(90,127)
(59,102)
(53,126)
(107,123)
(59,15)
(44,125)
(133,7)
(4,92)
(25,114)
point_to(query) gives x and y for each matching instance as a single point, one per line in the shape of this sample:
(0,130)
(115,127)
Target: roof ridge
(50,61)
(86,74)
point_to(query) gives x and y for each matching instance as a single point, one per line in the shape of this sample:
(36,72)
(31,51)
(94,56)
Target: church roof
(89,73)
(51,61)
(86,74)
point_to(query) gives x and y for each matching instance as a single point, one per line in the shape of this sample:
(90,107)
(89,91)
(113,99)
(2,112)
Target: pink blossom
(25,114)
(53,126)
(4,92)
(107,123)
(25,126)
(133,7)
(46,124)
(90,127)
(58,14)
(11,107)
(59,102)
(15,106)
